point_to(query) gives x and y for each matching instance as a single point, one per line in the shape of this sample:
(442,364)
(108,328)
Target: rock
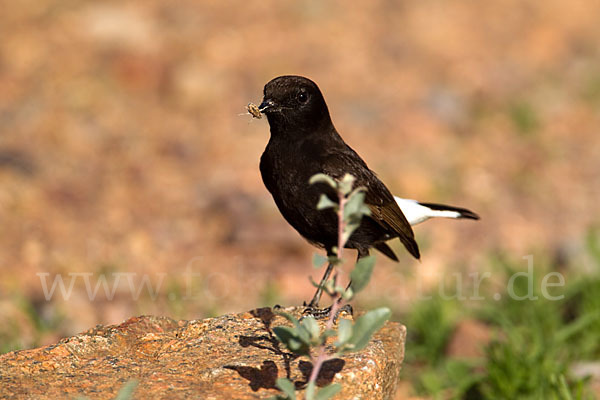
(229,357)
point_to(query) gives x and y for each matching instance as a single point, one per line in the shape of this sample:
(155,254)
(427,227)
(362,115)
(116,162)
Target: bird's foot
(325,313)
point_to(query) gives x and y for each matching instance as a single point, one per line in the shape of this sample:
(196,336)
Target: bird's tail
(416,212)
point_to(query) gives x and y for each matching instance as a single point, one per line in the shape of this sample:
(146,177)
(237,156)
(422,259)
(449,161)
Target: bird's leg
(313,307)
(350,282)
(361,253)
(322,313)
(314,303)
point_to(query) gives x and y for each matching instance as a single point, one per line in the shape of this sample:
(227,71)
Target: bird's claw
(324,313)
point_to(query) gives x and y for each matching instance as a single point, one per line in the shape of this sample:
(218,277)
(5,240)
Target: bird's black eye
(303,97)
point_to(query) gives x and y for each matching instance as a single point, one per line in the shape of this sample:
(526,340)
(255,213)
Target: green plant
(533,342)
(305,337)
(125,392)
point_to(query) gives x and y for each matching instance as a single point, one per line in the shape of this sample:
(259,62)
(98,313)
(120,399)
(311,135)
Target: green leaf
(304,335)
(358,190)
(365,327)
(328,287)
(365,210)
(325,202)
(310,391)
(327,333)
(345,185)
(328,391)
(361,274)
(353,207)
(563,388)
(344,332)
(287,387)
(347,233)
(339,289)
(323,178)
(351,226)
(285,334)
(313,282)
(126,391)
(581,323)
(291,339)
(347,294)
(290,318)
(310,324)
(318,260)
(334,259)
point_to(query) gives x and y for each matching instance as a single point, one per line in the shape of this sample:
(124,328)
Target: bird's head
(294,104)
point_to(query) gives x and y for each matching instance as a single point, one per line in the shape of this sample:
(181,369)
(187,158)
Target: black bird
(304,142)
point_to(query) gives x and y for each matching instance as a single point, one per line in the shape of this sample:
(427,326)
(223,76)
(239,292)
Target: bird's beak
(266,106)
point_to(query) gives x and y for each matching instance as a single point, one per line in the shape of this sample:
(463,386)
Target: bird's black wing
(387,213)
(384,209)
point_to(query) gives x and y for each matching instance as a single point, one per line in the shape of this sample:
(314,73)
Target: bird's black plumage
(304,142)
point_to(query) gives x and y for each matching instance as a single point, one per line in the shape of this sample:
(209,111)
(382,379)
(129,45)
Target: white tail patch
(416,213)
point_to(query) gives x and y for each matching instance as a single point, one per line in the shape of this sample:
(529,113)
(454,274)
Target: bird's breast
(286,175)
(288,167)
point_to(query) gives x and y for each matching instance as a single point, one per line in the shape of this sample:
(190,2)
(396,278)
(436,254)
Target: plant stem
(338,301)
(341,225)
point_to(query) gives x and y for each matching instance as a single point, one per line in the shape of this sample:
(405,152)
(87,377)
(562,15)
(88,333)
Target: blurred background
(124,159)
